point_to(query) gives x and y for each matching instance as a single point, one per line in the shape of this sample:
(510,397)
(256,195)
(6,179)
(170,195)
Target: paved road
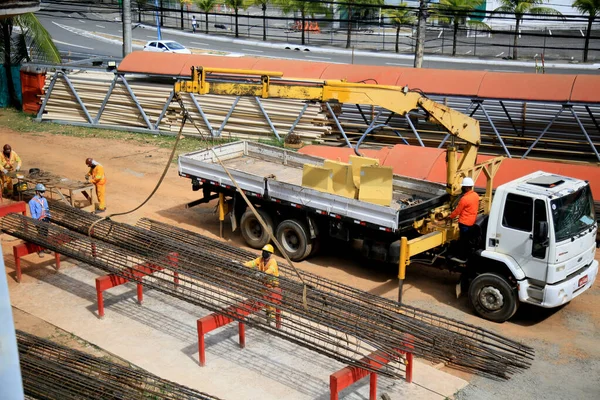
(76,35)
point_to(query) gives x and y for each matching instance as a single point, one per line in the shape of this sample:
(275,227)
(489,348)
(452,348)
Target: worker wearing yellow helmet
(10,162)
(266,263)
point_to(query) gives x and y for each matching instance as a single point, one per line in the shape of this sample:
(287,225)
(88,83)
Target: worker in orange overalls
(266,263)
(466,211)
(11,162)
(98,178)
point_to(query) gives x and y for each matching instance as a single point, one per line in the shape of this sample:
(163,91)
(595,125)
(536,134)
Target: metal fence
(552,37)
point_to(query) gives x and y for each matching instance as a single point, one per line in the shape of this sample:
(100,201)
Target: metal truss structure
(550,130)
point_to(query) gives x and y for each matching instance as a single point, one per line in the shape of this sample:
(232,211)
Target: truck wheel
(493,298)
(295,239)
(253,232)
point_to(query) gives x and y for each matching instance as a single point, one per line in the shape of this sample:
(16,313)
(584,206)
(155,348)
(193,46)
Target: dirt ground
(567,340)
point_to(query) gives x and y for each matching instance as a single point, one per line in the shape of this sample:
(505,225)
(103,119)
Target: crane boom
(400,100)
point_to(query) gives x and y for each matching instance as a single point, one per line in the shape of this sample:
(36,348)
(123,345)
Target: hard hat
(467,181)
(40,188)
(269,248)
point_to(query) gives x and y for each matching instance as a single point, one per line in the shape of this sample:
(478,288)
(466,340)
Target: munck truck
(537,235)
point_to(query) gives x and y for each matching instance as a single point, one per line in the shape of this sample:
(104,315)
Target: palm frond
(38,41)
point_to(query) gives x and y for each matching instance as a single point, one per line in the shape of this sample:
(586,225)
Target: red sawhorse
(347,376)
(135,274)
(222,318)
(23,249)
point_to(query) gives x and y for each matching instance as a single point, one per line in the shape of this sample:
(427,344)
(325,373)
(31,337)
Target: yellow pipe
(403,258)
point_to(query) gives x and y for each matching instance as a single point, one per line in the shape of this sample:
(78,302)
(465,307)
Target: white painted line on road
(506,70)
(72,45)
(437,50)
(401,65)
(498,55)
(101,26)
(82,21)
(319,58)
(255,51)
(199,44)
(580,31)
(468,52)
(440,35)
(151,37)
(550,32)
(121,30)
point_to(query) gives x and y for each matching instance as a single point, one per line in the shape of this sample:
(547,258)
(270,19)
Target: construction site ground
(160,335)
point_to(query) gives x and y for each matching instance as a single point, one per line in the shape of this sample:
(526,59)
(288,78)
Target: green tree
(400,16)
(31,42)
(237,5)
(592,9)
(263,4)
(360,9)
(206,6)
(519,8)
(456,13)
(305,8)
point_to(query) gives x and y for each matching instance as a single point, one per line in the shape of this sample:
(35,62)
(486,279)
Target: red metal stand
(222,318)
(18,207)
(26,248)
(136,274)
(345,377)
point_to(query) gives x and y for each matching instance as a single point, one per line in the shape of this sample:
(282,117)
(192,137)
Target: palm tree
(400,16)
(263,5)
(521,7)
(592,9)
(457,12)
(32,42)
(357,7)
(236,5)
(206,6)
(305,8)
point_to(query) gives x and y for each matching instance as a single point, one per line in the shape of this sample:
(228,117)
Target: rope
(160,181)
(250,205)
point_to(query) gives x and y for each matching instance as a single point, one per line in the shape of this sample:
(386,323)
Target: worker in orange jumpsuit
(98,178)
(466,211)
(11,162)
(266,263)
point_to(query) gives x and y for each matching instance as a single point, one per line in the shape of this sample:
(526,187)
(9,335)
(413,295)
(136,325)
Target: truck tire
(252,231)
(294,238)
(493,297)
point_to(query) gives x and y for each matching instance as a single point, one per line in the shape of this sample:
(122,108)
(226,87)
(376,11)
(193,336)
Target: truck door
(515,234)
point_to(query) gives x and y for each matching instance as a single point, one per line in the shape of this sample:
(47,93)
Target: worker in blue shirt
(38,207)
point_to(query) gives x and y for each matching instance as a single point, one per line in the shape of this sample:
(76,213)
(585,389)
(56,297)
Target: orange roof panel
(146,62)
(586,89)
(528,87)
(372,74)
(442,82)
(292,68)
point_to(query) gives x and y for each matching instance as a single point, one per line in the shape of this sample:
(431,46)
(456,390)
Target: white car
(168,46)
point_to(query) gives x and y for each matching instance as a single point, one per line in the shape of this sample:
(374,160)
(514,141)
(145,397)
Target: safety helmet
(40,188)
(467,181)
(269,248)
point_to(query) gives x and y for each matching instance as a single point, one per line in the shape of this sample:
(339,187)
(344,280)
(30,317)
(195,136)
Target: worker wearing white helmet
(466,211)
(38,207)
(266,263)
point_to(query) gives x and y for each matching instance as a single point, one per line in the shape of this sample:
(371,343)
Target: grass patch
(24,123)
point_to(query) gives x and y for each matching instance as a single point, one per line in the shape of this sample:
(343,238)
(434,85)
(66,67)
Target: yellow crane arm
(268,84)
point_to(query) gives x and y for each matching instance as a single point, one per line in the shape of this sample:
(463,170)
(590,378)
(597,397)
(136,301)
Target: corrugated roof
(485,85)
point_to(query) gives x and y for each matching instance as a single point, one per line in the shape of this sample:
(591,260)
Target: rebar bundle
(55,372)
(335,320)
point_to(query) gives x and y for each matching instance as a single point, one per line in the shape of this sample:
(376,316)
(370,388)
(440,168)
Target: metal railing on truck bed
(275,174)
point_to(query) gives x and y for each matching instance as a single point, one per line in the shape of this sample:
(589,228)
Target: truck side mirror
(540,232)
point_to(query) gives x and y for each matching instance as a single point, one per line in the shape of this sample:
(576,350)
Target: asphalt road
(75,31)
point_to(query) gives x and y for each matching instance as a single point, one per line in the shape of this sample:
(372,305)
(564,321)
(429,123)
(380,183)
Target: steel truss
(509,127)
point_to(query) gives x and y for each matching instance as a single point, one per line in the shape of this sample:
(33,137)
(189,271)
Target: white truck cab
(539,247)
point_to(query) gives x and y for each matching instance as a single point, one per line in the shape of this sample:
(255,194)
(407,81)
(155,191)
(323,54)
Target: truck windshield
(573,213)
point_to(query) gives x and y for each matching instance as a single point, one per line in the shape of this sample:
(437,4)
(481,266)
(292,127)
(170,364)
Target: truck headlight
(560,268)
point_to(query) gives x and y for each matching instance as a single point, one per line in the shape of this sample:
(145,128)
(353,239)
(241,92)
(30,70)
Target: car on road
(168,46)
